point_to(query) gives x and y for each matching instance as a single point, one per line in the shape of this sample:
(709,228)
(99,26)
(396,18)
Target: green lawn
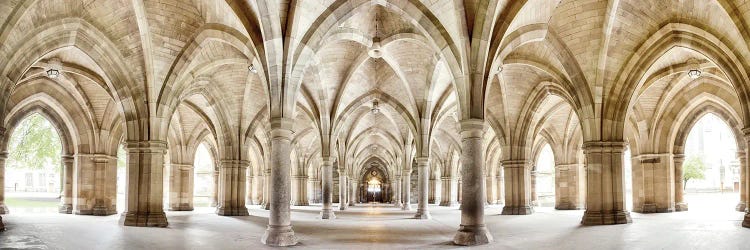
(31,202)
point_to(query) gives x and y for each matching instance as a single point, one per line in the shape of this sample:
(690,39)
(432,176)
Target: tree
(34,144)
(693,168)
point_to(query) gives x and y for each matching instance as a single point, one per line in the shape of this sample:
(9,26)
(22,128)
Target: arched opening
(628,175)
(203,177)
(33,175)
(711,170)
(544,178)
(374,186)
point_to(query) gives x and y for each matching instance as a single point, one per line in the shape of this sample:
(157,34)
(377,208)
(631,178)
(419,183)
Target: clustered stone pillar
(406,188)
(605,192)
(232,188)
(352,192)
(343,204)
(742,157)
(490,184)
(279,231)
(215,196)
(181,187)
(299,188)
(3,159)
(436,190)
(569,186)
(104,185)
(500,185)
(423,168)
(66,201)
(266,190)
(518,187)
(472,230)
(448,198)
(315,186)
(145,206)
(746,178)
(679,183)
(397,191)
(327,179)
(654,174)
(534,196)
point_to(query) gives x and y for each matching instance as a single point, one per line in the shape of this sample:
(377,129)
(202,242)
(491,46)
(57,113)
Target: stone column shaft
(679,190)
(518,187)
(423,168)
(605,199)
(3,160)
(232,188)
(741,156)
(266,190)
(397,191)
(406,189)
(343,196)
(449,197)
(327,183)
(145,193)
(299,190)
(66,201)
(569,186)
(279,231)
(500,185)
(352,192)
(181,187)
(472,230)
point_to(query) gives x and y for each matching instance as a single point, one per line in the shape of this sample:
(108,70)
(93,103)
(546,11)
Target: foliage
(121,155)
(693,168)
(34,144)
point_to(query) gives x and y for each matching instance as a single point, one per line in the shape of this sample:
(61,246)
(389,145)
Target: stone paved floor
(382,227)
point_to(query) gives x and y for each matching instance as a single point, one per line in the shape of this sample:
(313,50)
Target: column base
(135,219)
(351,204)
(567,206)
(746,221)
(448,204)
(406,207)
(232,211)
(265,206)
(102,211)
(279,236)
(213,204)
(327,214)
(65,209)
(182,207)
(606,218)
(422,215)
(4,209)
(300,203)
(2,226)
(521,210)
(342,208)
(398,204)
(472,235)
(680,207)
(741,206)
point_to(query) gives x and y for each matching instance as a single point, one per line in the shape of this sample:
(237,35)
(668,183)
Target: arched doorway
(544,178)
(34,177)
(374,187)
(203,177)
(711,170)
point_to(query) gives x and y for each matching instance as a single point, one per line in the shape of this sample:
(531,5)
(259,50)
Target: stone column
(423,168)
(232,188)
(343,204)
(102,203)
(517,187)
(145,193)
(279,231)
(448,198)
(352,192)
(406,189)
(437,190)
(605,192)
(327,183)
(3,159)
(654,174)
(534,197)
(490,184)
(679,189)
(397,191)
(266,190)
(180,187)
(314,185)
(299,190)
(500,184)
(66,201)
(568,189)
(743,184)
(215,196)
(472,230)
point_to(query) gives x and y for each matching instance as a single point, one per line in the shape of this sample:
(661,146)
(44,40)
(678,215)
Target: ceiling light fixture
(500,68)
(53,73)
(252,69)
(375,107)
(375,49)
(694,73)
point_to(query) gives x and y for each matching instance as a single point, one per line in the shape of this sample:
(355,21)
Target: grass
(31,202)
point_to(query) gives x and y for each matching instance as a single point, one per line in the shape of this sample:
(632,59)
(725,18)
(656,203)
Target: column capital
(516,164)
(327,160)
(741,154)
(2,132)
(3,155)
(604,146)
(678,157)
(472,128)
(181,166)
(281,128)
(234,163)
(299,177)
(157,147)
(746,132)
(446,178)
(422,161)
(67,159)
